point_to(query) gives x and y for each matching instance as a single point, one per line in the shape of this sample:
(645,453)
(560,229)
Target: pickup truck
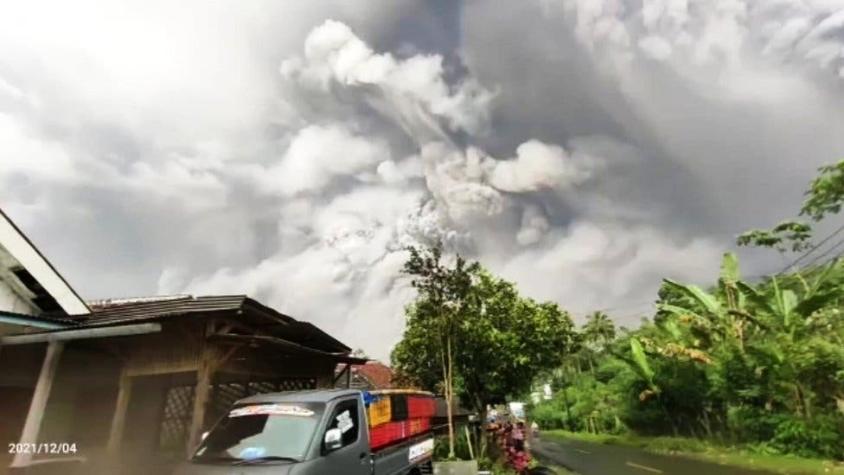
(323,432)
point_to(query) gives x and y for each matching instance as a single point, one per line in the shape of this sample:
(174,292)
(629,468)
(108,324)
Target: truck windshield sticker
(344,421)
(271,410)
(252,452)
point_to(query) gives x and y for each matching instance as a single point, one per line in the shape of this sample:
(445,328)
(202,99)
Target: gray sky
(290,150)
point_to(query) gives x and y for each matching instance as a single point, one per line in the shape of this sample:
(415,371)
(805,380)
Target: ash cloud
(583,148)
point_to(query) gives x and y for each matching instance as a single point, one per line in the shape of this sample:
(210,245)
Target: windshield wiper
(268,458)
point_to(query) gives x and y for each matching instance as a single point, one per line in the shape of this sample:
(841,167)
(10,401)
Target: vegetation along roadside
(746,366)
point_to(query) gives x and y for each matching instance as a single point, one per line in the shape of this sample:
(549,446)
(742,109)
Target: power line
(828,252)
(625,307)
(832,259)
(813,248)
(632,308)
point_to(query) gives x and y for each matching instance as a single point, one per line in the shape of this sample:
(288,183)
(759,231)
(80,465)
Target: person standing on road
(519,436)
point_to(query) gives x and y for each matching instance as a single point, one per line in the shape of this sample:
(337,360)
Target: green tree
(826,192)
(824,197)
(443,296)
(497,341)
(508,341)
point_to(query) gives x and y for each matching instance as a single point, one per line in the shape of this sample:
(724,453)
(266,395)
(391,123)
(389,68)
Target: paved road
(598,459)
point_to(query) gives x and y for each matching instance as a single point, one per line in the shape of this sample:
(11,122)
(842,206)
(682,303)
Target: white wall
(12,302)
(15,247)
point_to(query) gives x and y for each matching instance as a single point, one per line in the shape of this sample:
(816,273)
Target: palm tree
(596,333)
(599,328)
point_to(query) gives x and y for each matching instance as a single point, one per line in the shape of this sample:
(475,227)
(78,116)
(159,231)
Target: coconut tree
(599,328)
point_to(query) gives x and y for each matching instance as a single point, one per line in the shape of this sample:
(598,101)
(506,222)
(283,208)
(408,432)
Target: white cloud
(393,172)
(333,53)
(179,180)
(317,154)
(601,265)
(537,165)
(23,154)
(724,32)
(534,226)
(656,47)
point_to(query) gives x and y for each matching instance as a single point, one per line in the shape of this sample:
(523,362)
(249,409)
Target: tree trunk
(692,430)
(704,422)
(568,411)
(450,398)
(446,390)
(803,409)
(480,437)
(724,430)
(670,419)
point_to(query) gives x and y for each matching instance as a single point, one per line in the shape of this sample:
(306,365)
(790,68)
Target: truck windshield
(271,431)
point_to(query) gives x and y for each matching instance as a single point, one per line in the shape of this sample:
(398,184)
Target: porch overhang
(288,346)
(80,334)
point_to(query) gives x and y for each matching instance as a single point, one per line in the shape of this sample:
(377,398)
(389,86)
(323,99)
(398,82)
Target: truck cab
(322,432)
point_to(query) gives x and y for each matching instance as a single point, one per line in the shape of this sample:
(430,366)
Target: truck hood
(208,469)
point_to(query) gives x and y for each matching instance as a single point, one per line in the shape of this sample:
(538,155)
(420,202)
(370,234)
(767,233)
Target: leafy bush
(461,448)
(548,416)
(819,437)
(752,424)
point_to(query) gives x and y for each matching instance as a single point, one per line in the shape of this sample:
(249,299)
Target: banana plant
(719,317)
(786,309)
(638,362)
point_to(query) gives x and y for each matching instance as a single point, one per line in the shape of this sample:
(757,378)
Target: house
(133,383)
(370,376)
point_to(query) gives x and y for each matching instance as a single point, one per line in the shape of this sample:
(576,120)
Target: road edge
(537,452)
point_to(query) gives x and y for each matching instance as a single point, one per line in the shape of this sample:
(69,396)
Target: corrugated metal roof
(311,335)
(132,300)
(106,312)
(135,310)
(289,345)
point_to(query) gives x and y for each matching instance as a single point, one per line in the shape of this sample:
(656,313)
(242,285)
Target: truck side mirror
(333,440)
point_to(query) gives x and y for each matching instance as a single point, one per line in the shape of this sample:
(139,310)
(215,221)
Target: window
(262,430)
(346,419)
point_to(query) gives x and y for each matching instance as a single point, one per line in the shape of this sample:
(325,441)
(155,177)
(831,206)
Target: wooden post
(118,422)
(349,368)
(202,395)
(39,402)
(326,379)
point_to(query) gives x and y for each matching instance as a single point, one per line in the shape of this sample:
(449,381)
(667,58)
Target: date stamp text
(38,448)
